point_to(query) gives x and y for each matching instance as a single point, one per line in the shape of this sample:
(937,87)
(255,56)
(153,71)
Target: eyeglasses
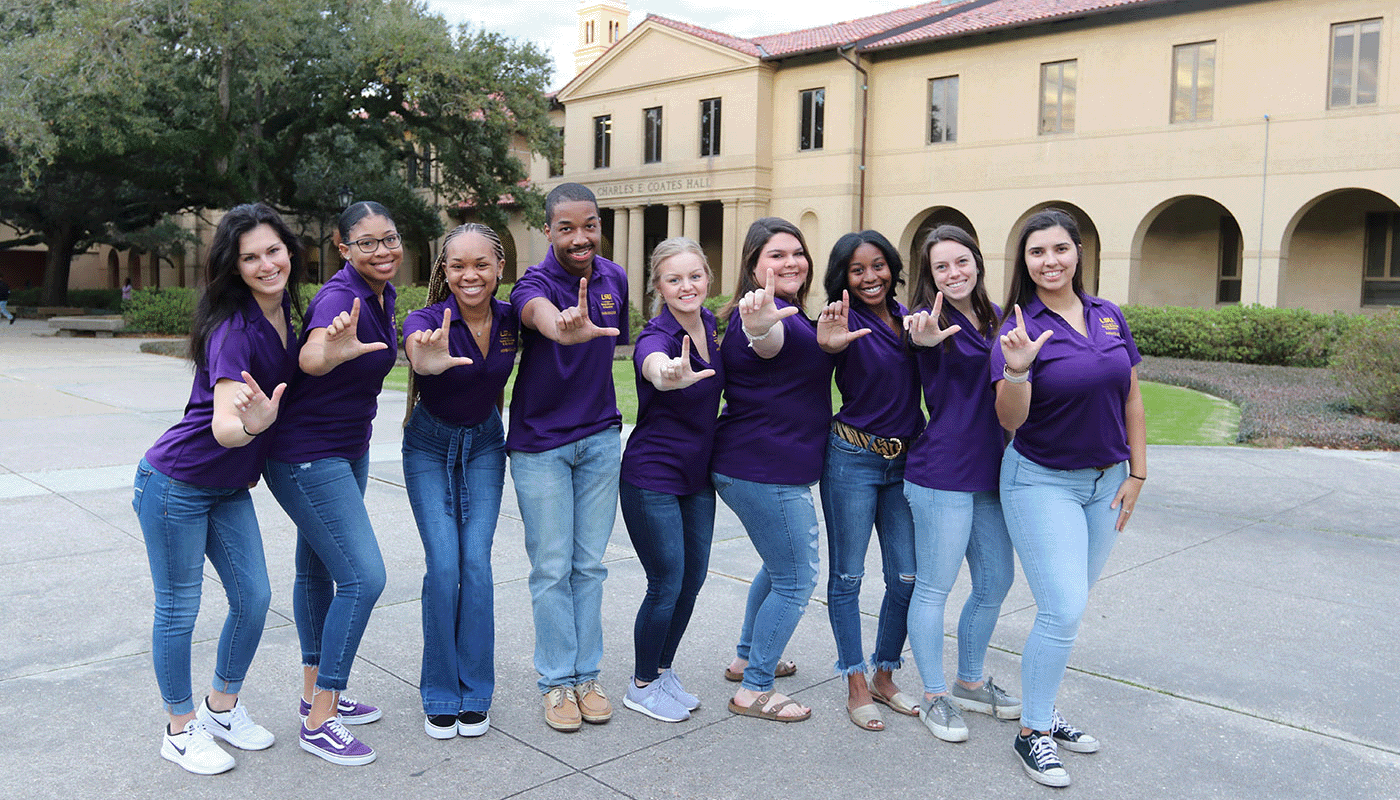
(369,244)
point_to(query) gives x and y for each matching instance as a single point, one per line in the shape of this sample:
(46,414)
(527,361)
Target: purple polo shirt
(960,450)
(877,378)
(777,410)
(1079,386)
(330,416)
(669,450)
(466,395)
(564,393)
(246,341)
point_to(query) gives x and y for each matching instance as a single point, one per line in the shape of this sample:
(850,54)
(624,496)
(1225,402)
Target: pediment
(653,53)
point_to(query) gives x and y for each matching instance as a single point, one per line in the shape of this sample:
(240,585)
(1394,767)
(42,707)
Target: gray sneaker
(987,699)
(943,719)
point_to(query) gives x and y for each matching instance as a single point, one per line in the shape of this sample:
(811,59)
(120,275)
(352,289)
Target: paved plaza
(1242,642)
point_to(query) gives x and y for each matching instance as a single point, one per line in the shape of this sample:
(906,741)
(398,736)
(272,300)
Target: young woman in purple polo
(192,486)
(1066,384)
(951,482)
(863,479)
(768,452)
(454,465)
(668,503)
(318,469)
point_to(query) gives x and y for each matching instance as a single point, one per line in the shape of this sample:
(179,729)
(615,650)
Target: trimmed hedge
(1248,334)
(1367,364)
(100,299)
(164,311)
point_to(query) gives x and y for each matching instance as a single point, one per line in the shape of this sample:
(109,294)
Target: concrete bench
(102,327)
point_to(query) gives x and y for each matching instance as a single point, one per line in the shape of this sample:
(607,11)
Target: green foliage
(1249,334)
(103,299)
(28,297)
(1367,363)
(715,304)
(409,298)
(166,311)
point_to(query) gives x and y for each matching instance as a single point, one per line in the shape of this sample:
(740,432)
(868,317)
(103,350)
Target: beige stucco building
(1214,152)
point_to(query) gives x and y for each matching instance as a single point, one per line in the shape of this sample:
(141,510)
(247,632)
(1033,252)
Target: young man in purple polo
(565,448)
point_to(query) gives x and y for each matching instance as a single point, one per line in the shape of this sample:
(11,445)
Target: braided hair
(439,291)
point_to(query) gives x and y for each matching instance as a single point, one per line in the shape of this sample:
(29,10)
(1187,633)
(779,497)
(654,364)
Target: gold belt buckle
(889,449)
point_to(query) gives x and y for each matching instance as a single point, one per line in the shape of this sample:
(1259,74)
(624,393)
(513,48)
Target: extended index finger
(252,384)
(583,294)
(446,318)
(1020,320)
(769,283)
(685,351)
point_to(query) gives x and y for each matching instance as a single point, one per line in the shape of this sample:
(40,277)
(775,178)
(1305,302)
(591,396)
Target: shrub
(164,311)
(1249,334)
(106,299)
(715,304)
(28,297)
(1367,363)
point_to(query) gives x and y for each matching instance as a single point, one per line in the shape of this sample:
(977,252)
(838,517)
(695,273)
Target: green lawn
(1174,415)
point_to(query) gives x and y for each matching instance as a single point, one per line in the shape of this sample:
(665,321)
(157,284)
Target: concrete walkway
(1241,644)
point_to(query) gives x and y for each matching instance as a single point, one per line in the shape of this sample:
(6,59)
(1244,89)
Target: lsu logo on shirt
(607,302)
(1109,325)
(506,341)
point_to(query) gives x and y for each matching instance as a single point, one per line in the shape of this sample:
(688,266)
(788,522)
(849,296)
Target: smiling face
(954,269)
(681,283)
(783,254)
(472,270)
(868,275)
(264,262)
(380,266)
(574,233)
(1051,259)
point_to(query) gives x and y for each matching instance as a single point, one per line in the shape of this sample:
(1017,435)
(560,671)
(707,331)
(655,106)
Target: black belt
(889,449)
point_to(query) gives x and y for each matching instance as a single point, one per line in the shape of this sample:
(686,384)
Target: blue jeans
(948,527)
(340,572)
(454,475)
(672,535)
(568,502)
(782,524)
(5,312)
(1062,528)
(861,490)
(182,523)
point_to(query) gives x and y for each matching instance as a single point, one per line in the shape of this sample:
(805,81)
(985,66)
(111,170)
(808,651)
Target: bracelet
(1142,478)
(250,433)
(752,338)
(1006,373)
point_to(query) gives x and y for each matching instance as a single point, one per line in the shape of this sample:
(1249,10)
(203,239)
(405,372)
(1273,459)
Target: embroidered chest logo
(607,302)
(1109,325)
(506,341)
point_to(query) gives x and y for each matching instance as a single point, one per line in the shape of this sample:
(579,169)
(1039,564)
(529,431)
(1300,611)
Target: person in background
(454,464)
(5,301)
(1067,386)
(667,501)
(191,490)
(318,469)
(863,479)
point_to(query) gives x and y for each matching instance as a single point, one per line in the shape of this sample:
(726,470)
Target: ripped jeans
(861,490)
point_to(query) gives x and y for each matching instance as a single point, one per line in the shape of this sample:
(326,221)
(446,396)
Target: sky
(553,25)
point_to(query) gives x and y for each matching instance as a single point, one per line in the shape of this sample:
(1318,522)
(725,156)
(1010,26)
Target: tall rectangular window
(943,109)
(1057,86)
(709,126)
(1381,280)
(651,135)
(1231,261)
(813,119)
(556,167)
(602,141)
(1356,60)
(1193,82)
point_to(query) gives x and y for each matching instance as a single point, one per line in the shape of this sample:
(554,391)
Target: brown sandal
(759,709)
(784,669)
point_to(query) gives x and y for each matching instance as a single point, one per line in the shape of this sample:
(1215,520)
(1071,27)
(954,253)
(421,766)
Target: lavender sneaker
(351,712)
(335,744)
(673,685)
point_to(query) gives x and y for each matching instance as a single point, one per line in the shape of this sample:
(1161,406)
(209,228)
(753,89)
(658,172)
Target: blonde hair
(670,248)
(439,291)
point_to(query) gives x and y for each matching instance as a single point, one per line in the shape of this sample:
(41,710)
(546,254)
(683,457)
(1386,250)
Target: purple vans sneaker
(351,712)
(336,745)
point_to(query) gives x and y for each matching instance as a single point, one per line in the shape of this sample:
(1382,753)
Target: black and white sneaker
(193,748)
(441,726)
(1041,760)
(1070,737)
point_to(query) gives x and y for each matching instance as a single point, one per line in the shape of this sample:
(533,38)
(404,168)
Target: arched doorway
(1341,252)
(913,237)
(1088,232)
(1190,252)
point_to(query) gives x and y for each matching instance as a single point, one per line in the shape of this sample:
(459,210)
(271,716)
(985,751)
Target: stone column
(691,225)
(674,224)
(636,268)
(621,252)
(727,270)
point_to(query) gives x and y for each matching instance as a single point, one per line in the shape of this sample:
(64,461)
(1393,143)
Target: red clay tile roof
(954,18)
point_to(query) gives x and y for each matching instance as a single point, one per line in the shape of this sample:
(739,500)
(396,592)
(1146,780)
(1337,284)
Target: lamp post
(344,196)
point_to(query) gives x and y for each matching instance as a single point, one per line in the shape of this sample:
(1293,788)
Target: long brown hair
(1022,288)
(759,233)
(439,291)
(926,291)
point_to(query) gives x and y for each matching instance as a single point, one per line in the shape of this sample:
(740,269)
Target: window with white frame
(1058,81)
(1193,82)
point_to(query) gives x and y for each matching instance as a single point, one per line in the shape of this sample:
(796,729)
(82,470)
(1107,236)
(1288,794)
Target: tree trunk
(58,263)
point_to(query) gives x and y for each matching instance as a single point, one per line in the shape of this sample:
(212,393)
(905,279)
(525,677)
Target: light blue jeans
(182,523)
(782,524)
(568,502)
(861,490)
(340,572)
(1062,528)
(455,475)
(948,527)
